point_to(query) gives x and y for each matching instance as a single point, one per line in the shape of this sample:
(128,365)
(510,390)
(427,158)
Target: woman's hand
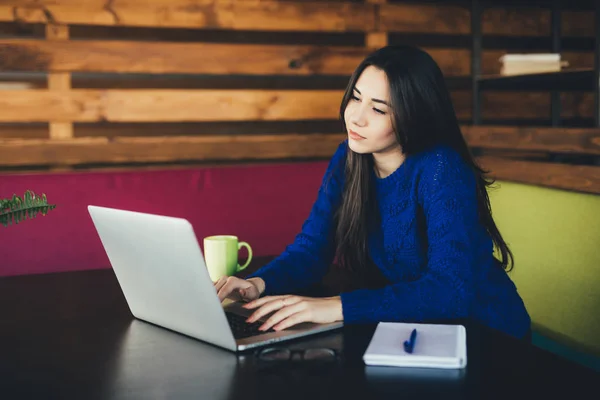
(238,289)
(292,310)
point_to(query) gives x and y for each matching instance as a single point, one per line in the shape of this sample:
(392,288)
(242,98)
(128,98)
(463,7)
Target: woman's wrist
(259,283)
(338,305)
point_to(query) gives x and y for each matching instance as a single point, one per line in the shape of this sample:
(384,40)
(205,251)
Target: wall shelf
(564,81)
(587,80)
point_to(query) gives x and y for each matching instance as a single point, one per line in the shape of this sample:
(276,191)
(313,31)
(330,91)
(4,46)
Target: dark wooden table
(71,336)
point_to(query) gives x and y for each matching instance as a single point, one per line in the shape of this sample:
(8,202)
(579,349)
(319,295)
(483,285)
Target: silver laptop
(160,267)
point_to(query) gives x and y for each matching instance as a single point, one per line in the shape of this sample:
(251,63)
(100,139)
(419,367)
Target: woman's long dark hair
(422,116)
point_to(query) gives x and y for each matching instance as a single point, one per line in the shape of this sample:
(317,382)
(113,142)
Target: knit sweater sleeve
(306,260)
(447,195)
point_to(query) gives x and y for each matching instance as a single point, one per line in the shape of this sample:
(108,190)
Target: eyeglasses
(279,354)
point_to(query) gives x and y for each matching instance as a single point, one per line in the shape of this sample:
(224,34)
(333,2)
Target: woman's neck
(387,162)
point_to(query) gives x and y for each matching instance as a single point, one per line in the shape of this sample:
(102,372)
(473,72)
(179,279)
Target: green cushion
(555,238)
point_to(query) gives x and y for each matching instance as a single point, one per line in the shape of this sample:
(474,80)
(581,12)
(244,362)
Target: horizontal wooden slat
(519,141)
(536,104)
(157,57)
(165,149)
(221,14)
(208,58)
(155,105)
(168,105)
(333,16)
(516,154)
(581,178)
(522,105)
(439,18)
(221,59)
(535,22)
(577,23)
(424,18)
(558,140)
(204,105)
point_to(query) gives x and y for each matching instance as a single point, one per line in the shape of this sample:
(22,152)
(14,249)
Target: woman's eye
(378,111)
(353,97)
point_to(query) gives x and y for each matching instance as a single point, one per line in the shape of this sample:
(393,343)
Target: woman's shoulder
(441,166)
(441,160)
(439,156)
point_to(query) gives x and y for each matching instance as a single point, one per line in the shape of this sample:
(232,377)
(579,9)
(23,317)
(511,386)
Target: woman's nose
(358,117)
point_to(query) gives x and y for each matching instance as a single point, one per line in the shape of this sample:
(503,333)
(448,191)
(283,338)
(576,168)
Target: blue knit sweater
(430,246)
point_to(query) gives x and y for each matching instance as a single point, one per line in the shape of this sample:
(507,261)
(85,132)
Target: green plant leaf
(18,209)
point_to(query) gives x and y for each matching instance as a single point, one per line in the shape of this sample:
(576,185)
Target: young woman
(402,197)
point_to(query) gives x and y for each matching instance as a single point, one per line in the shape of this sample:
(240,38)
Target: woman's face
(368,114)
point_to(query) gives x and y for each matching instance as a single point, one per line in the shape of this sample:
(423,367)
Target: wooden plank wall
(94,83)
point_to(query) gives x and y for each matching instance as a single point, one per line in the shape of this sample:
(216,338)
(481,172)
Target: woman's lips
(355,136)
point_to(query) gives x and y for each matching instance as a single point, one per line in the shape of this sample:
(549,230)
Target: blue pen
(409,345)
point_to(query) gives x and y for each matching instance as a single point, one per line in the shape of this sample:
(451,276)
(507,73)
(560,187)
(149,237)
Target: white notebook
(435,346)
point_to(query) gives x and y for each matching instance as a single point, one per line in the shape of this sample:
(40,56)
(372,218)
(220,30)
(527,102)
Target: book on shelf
(533,63)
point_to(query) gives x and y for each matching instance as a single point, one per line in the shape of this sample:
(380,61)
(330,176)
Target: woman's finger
(282,314)
(229,286)
(220,282)
(262,301)
(268,307)
(294,319)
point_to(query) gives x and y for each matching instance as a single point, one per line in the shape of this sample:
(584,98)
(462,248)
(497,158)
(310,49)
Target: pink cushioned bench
(264,205)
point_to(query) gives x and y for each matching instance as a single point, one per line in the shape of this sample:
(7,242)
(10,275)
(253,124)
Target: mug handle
(246,245)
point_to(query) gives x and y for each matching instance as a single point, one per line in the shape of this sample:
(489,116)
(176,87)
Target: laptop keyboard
(242,329)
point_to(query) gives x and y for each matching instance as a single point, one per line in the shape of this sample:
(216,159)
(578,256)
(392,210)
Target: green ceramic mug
(221,255)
